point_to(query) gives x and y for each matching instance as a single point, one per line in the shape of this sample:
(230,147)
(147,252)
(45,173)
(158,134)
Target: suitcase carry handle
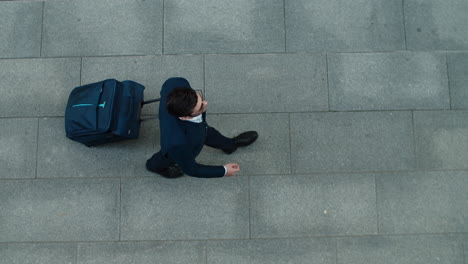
(144,103)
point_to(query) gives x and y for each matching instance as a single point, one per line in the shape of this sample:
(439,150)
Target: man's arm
(183,157)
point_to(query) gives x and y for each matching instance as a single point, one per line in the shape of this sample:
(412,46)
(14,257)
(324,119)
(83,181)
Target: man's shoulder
(171,130)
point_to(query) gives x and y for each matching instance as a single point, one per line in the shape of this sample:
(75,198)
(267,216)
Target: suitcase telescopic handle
(150,101)
(147,102)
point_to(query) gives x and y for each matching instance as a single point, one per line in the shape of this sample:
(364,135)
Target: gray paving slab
(256,251)
(60,157)
(458,79)
(423,249)
(59,210)
(312,205)
(268,155)
(223,26)
(266,83)
(441,139)
(423,202)
(388,81)
(321,25)
(142,252)
(37,87)
(185,208)
(18,143)
(20,36)
(99,28)
(358,141)
(151,71)
(277,199)
(37,253)
(436,25)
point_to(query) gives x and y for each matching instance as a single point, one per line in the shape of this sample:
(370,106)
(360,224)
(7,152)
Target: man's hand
(232,169)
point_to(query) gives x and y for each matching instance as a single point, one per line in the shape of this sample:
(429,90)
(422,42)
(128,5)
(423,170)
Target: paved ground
(361,106)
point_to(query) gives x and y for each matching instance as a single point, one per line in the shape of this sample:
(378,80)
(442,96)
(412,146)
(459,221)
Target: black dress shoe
(242,140)
(170,172)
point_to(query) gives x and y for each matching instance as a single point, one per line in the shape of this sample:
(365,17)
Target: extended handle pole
(150,101)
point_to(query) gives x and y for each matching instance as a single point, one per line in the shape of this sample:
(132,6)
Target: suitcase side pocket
(81,112)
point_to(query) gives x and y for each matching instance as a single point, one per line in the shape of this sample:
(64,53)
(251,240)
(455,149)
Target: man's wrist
(225,170)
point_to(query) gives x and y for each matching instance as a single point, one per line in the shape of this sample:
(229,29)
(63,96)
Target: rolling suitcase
(103,112)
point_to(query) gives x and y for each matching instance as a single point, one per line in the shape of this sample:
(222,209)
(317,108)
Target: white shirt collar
(196,119)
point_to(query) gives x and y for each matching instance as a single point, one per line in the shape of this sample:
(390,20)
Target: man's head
(185,103)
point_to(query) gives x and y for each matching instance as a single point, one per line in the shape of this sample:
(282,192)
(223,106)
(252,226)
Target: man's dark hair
(181,101)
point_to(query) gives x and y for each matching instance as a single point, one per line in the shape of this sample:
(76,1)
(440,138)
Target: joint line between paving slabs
(284,26)
(42,28)
(328,82)
(290,145)
(448,80)
(250,225)
(336,250)
(162,37)
(204,75)
(376,203)
(37,147)
(238,239)
(81,69)
(120,211)
(404,22)
(206,251)
(76,253)
(465,246)
(414,142)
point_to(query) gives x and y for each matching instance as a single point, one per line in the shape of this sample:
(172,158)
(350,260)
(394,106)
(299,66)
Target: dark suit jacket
(184,140)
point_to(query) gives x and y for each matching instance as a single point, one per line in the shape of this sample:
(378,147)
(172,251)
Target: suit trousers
(160,161)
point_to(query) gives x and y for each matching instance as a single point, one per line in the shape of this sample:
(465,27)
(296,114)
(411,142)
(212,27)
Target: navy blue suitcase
(103,112)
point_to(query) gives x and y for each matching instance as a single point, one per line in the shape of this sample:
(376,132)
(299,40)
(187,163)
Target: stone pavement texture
(361,107)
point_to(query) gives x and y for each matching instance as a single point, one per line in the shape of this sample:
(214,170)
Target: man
(184,131)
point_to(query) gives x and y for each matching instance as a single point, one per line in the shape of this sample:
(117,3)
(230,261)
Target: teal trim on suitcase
(100,105)
(77,105)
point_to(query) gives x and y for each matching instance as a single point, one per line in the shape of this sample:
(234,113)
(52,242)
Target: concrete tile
(223,26)
(361,141)
(266,83)
(21,34)
(436,25)
(90,28)
(61,157)
(422,202)
(18,143)
(185,208)
(37,87)
(441,139)
(142,252)
(388,81)
(340,25)
(420,249)
(306,250)
(59,210)
(151,71)
(268,155)
(458,79)
(312,205)
(37,253)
